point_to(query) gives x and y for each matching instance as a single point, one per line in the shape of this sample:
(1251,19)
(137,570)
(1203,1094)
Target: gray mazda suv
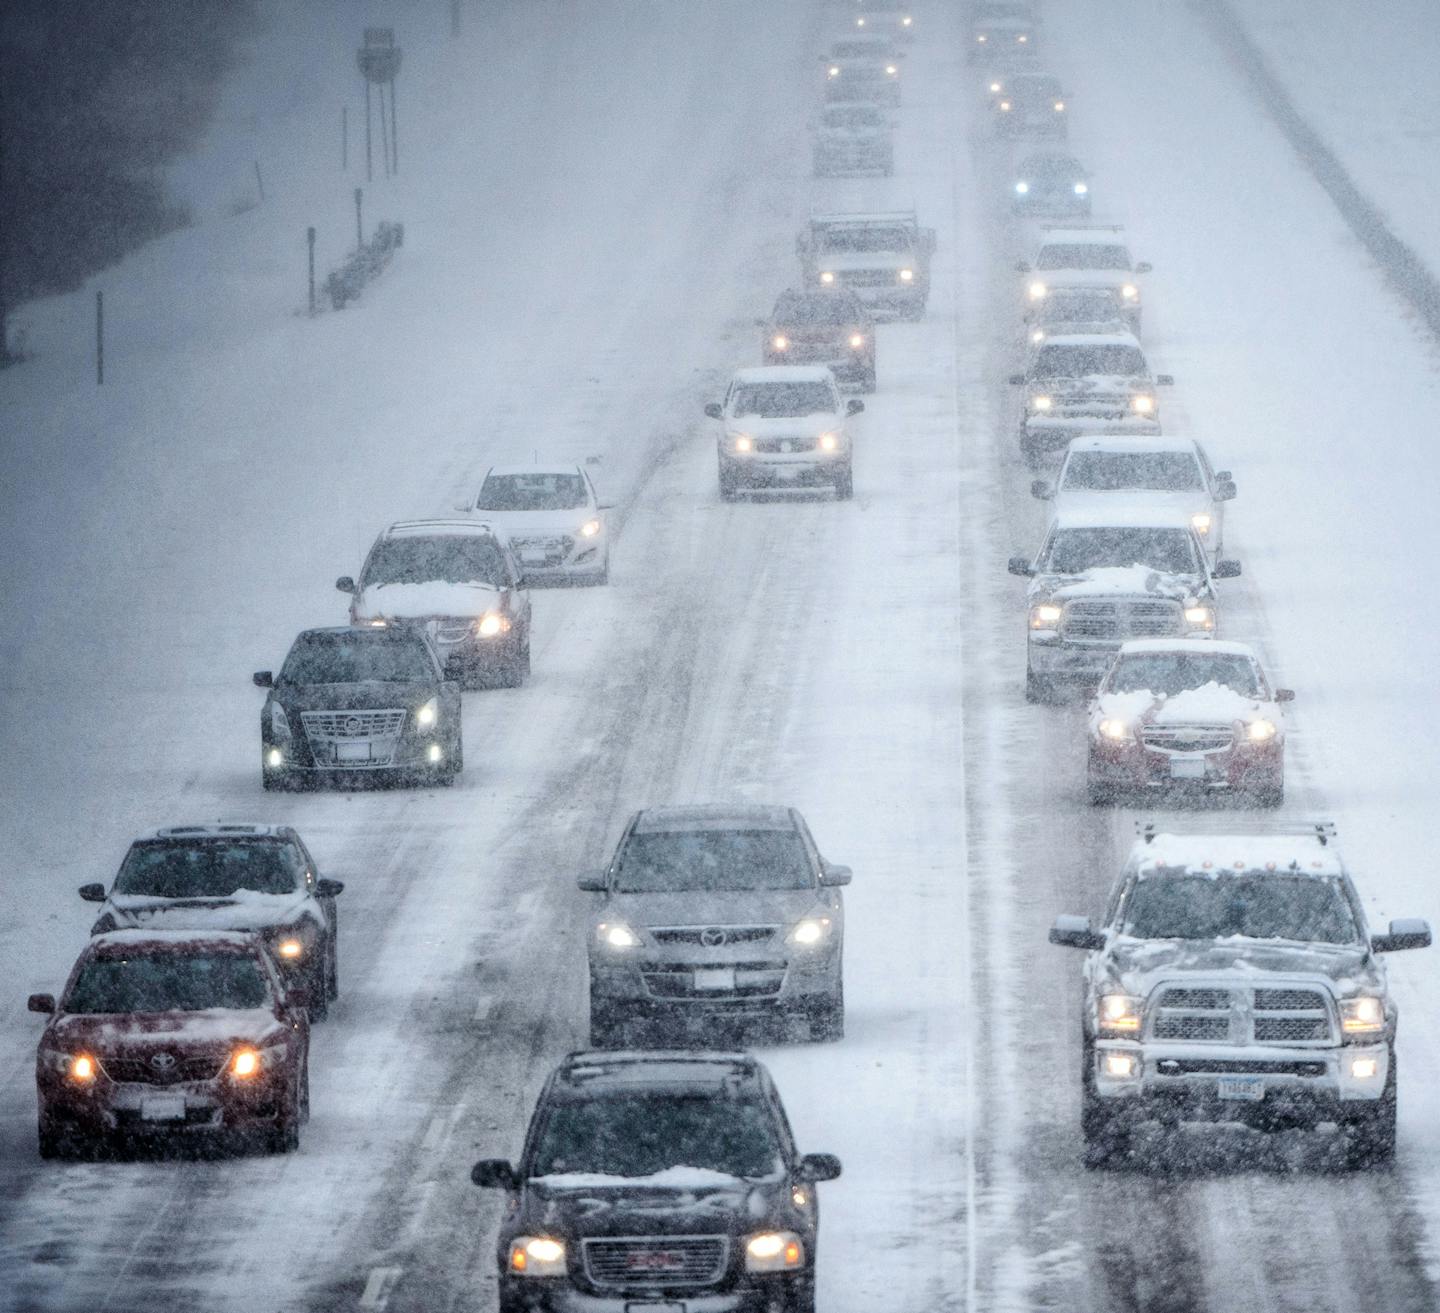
(712,912)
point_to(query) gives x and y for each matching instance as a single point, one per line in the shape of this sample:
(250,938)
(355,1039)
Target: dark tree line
(95,97)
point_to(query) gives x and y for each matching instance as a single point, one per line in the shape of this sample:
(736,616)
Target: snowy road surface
(582,271)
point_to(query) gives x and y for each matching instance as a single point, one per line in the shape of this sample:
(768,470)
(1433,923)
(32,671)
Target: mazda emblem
(162,1061)
(712,938)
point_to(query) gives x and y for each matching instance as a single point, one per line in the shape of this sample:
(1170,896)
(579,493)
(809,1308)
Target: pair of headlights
(1123,731)
(1119,1016)
(244,1063)
(769,1251)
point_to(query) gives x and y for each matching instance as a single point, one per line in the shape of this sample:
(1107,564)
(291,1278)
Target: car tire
(317,990)
(284,1136)
(332,975)
(516,668)
(1370,1137)
(603,578)
(1039,691)
(607,1024)
(826,1019)
(867,380)
(800,1298)
(845,484)
(1105,1130)
(729,482)
(1030,451)
(305,1092)
(51,1140)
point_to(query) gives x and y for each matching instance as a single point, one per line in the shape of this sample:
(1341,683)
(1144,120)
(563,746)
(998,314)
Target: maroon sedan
(172,1032)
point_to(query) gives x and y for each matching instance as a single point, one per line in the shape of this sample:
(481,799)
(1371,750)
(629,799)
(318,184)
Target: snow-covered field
(599,199)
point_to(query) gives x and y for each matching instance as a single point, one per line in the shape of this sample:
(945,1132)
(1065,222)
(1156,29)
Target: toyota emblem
(162,1061)
(353,726)
(712,938)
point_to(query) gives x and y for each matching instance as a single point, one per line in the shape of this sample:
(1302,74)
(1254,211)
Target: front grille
(1208,1014)
(553,547)
(656,1260)
(753,980)
(1206,1029)
(1188,738)
(869,277)
(1236,1067)
(1116,619)
(706,935)
(142,1071)
(1197,998)
(1281,1030)
(1288,1000)
(773,446)
(352,724)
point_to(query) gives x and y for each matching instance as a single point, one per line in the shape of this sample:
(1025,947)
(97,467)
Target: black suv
(830,328)
(232,877)
(359,703)
(653,1179)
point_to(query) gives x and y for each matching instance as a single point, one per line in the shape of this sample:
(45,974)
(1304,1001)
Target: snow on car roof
(440,528)
(591,1070)
(173,939)
(1084,237)
(716,816)
(1137,446)
(1092,339)
(1202,646)
(1219,854)
(1122,514)
(507,470)
(866,217)
(784,374)
(217,830)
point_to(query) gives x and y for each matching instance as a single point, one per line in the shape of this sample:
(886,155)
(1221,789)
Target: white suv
(553,517)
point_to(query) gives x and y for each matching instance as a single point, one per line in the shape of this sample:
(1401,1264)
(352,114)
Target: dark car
(233,877)
(713,912)
(1051,184)
(159,1033)
(658,1182)
(1032,104)
(354,703)
(822,328)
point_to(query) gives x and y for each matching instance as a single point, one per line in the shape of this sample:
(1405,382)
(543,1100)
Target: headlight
(812,930)
(1364,1068)
(982,38)
(274,758)
(829,441)
(1142,405)
(1037,291)
(1362,1016)
(891,69)
(859,22)
(1201,523)
(279,722)
(1045,616)
(536,1256)
(995,88)
(1022,187)
(1200,617)
(906,21)
(1082,189)
(1022,39)
(616,934)
(590,528)
(780,342)
(827,278)
(742,442)
(1059,106)
(378,622)
(907,275)
(857,340)
(1117,731)
(834,72)
(1005,105)
(774,1251)
(1120,1066)
(490,624)
(430,712)
(1041,403)
(290,949)
(1129,291)
(79,1067)
(1261,731)
(1119,1014)
(1038,335)
(245,1063)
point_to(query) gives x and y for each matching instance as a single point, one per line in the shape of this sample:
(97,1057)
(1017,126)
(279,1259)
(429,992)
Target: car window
(782,400)
(1260,905)
(531,492)
(1147,471)
(1085,361)
(1083,255)
(821,308)
(358,657)
(210,868)
(1073,551)
(677,861)
(445,558)
(1175,672)
(639,1134)
(168,982)
(870,237)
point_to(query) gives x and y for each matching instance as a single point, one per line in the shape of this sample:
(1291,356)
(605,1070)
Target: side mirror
(1284,695)
(832,876)
(854,406)
(329,888)
(1406,933)
(1021,565)
(1023,267)
(1076,932)
(1165,380)
(1227,569)
(41,1003)
(93,893)
(345,584)
(494,1174)
(714,410)
(1144,267)
(1042,490)
(815,1167)
(263,679)
(1016,380)
(1225,490)
(592,882)
(1223,476)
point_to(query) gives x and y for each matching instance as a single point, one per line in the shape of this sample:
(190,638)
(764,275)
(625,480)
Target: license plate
(1246,1089)
(715,978)
(1187,768)
(163,1108)
(787,447)
(353,751)
(654,1308)
(533,556)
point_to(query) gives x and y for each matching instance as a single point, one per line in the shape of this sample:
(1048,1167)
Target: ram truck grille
(1242,1015)
(1113,620)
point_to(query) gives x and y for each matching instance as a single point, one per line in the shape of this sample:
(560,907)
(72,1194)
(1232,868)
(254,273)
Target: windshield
(1083,255)
(1085,361)
(1148,471)
(355,658)
(209,868)
(447,558)
(168,982)
(870,237)
(677,861)
(1073,551)
(531,492)
(1175,672)
(1255,906)
(640,1134)
(821,308)
(781,400)
(854,117)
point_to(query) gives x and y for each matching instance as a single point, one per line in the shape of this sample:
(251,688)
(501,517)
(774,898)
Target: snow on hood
(420,601)
(671,1178)
(1117,580)
(789,426)
(1210,704)
(1163,503)
(245,909)
(1141,964)
(211,1027)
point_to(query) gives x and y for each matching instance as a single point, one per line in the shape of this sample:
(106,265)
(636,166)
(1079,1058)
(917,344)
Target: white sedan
(553,518)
